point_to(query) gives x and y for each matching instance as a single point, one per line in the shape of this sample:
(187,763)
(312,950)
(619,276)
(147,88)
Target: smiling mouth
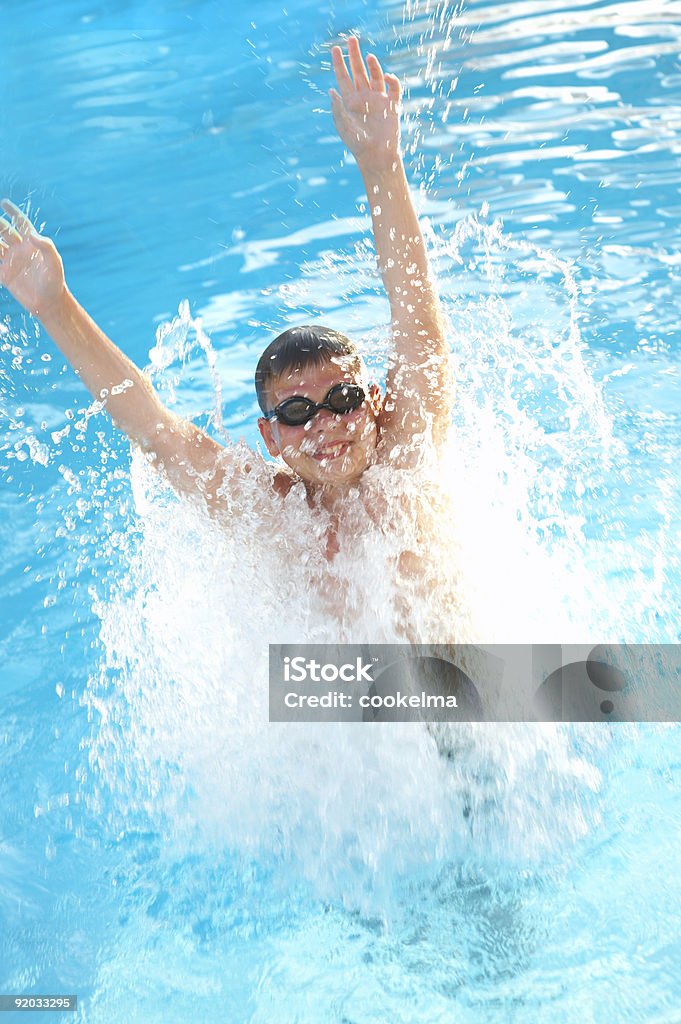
(331,451)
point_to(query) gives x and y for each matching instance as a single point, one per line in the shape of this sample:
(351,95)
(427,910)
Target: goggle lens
(345,397)
(295,411)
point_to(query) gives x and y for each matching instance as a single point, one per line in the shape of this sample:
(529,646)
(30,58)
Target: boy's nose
(326,419)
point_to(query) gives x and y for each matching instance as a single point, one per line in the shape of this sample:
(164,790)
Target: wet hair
(296,348)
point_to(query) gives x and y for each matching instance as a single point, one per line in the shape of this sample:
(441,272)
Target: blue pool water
(167,857)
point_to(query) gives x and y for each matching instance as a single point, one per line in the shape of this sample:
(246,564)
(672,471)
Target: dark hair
(296,348)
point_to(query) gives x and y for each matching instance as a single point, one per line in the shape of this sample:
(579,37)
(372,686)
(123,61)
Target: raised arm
(366,112)
(31,269)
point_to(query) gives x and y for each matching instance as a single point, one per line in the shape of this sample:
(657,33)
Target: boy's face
(331,448)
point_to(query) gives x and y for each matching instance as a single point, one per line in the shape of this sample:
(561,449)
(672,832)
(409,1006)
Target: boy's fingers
(20,219)
(8,233)
(359,72)
(376,73)
(394,88)
(342,74)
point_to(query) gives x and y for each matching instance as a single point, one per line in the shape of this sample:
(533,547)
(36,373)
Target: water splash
(181,743)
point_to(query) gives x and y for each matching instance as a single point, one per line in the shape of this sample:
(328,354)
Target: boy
(319,413)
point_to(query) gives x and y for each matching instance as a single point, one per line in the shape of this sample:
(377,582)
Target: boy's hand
(366,112)
(30,266)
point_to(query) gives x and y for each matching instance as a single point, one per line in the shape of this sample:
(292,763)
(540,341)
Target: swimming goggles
(341,398)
